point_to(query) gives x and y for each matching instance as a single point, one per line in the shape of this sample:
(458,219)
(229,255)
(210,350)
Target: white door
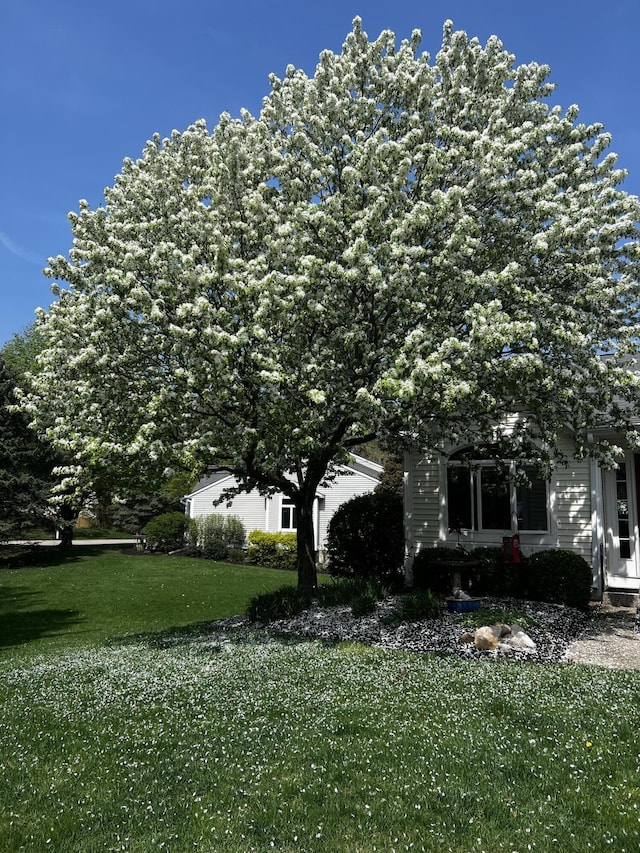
(621,508)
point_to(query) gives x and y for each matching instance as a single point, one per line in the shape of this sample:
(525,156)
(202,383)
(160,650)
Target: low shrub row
(272,550)
(556,576)
(361,595)
(288,601)
(220,537)
(216,537)
(415,606)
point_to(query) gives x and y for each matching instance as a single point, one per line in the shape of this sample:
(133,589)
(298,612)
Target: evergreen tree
(25,467)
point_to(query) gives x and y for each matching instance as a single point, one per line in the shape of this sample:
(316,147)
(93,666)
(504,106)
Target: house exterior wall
(342,489)
(260,513)
(422,502)
(571,511)
(249,507)
(573,508)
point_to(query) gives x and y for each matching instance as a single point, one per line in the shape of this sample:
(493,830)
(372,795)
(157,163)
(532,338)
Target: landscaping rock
(556,627)
(519,639)
(488,637)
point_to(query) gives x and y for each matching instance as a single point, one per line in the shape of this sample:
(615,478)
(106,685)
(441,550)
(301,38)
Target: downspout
(513,493)
(409,548)
(597,531)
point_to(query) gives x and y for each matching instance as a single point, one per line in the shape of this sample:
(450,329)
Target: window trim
(475,468)
(287,503)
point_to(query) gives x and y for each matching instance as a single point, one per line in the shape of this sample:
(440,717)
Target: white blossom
(393,245)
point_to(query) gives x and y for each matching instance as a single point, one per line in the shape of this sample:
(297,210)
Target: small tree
(392,478)
(132,512)
(393,247)
(20,352)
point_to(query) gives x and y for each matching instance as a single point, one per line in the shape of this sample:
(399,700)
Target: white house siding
(258,513)
(340,490)
(274,506)
(422,502)
(570,515)
(573,508)
(249,507)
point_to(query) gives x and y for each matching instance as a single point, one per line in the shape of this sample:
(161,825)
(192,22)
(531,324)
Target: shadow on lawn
(21,620)
(16,557)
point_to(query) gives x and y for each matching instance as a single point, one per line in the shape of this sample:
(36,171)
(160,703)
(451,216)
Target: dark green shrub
(347,590)
(364,604)
(494,615)
(272,550)
(282,603)
(288,601)
(492,576)
(366,539)
(362,595)
(134,512)
(559,576)
(433,569)
(166,532)
(236,555)
(416,607)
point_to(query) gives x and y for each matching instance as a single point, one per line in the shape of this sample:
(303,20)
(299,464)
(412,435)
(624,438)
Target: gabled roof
(365,466)
(358,464)
(209,480)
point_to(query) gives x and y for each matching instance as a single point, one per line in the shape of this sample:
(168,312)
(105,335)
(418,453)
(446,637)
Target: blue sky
(83,85)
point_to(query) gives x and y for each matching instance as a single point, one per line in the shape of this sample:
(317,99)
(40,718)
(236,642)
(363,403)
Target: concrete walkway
(613,638)
(79,542)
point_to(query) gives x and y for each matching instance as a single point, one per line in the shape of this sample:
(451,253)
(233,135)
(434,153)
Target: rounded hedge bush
(495,577)
(366,539)
(559,576)
(215,536)
(166,532)
(273,550)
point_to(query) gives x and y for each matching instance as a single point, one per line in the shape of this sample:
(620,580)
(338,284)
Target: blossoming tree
(394,246)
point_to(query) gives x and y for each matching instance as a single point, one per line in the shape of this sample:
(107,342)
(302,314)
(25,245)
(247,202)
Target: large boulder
(519,639)
(489,637)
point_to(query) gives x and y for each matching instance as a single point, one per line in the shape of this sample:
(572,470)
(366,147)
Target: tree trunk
(66,536)
(306,544)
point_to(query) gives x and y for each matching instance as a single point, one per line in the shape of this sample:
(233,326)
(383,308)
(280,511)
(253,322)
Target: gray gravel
(555,628)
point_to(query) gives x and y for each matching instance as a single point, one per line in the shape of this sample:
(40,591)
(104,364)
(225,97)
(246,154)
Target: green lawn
(99,594)
(209,741)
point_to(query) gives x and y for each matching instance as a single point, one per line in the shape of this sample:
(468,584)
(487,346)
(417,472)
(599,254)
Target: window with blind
(483,496)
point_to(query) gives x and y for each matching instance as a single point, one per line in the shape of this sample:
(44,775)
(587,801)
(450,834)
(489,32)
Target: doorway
(621,507)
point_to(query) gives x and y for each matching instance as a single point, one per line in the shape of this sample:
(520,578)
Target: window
(532,504)
(622,512)
(288,515)
(482,496)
